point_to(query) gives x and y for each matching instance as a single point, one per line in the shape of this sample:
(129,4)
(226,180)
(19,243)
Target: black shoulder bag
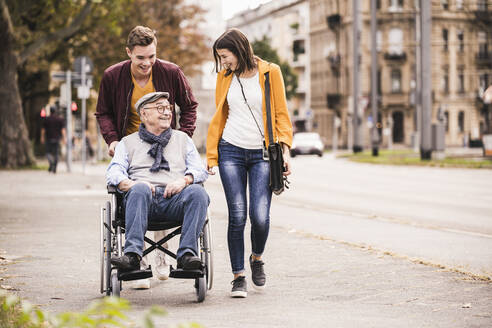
(274,152)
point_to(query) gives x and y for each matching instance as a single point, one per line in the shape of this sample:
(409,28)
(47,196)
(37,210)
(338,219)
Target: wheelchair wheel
(115,284)
(106,248)
(208,252)
(201,289)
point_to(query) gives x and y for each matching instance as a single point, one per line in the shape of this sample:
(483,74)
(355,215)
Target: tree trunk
(15,147)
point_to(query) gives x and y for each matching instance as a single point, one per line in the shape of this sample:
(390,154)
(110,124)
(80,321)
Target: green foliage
(264,50)
(101,36)
(106,312)
(408,157)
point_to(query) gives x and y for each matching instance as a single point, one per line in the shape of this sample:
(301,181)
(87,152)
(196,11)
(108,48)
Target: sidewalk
(49,234)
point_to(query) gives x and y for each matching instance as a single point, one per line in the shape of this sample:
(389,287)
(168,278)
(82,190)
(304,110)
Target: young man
(124,83)
(159,169)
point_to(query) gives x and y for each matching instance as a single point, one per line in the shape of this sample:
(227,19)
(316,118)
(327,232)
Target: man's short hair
(140,36)
(149,98)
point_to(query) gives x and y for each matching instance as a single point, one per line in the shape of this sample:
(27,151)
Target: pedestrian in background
(52,131)
(123,84)
(236,143)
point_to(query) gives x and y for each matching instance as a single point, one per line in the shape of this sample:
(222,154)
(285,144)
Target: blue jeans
(188,207)
(237,166)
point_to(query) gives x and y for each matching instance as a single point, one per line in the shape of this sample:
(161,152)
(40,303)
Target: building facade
(461,69)
(203,83)
(286,24)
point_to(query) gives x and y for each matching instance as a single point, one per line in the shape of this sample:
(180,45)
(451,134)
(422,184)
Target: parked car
(305,143)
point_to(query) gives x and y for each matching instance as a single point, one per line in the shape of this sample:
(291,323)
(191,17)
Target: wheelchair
(112,232)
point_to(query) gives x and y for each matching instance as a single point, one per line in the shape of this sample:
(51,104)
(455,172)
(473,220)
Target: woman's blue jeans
(239,167)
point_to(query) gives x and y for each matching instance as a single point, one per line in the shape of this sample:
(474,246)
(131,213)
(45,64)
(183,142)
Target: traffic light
(74,106)
(42,113)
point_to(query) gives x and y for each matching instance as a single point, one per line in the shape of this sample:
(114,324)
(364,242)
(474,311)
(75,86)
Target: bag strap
(268,108)
(246,102)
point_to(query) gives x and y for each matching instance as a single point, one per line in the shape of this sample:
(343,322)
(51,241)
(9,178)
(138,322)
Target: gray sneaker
(239,287)
(257,273)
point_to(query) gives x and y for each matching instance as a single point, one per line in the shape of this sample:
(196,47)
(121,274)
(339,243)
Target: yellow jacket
(281,124)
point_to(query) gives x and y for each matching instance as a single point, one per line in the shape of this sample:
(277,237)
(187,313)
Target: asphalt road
(345,249)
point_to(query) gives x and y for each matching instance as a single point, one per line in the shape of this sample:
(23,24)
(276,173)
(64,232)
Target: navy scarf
(158,143)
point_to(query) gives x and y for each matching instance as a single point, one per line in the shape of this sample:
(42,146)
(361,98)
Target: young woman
(235,142)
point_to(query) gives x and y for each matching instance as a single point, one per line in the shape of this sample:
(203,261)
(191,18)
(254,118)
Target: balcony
(483,12)
(395,56)
(484,59)
(299,61)
(333,21)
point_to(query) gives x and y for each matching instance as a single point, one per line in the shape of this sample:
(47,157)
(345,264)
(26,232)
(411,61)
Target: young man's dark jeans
(189,207)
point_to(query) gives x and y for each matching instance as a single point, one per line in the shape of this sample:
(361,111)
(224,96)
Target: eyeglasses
(161,108)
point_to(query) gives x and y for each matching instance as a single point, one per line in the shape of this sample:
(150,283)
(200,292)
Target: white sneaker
(141,284)
(161,267)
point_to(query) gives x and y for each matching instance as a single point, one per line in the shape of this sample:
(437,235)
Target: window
(445,82)
(459,4)
(395,80)
(483,83)
(445,39)
(395,5)
(445,4)
(482,43)
(298,48)
(395,41)
(461,121)
(461,41)
(461,81)
(379,40)
(446,120)
(482,5)
(379,82)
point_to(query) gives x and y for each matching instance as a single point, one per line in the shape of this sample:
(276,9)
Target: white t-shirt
(240,128)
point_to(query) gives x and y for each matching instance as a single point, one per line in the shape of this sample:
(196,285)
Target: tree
(264,50)
(37,34)
(15,147)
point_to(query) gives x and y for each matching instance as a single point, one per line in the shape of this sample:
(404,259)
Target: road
(346,248)
(440,216)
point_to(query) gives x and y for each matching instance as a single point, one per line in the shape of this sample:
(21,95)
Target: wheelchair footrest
(185,274)
(135,274)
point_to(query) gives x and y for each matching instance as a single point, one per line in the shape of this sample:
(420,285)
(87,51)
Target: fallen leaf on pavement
(7,287)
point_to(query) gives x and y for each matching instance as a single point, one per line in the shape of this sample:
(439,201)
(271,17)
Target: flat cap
(149,98)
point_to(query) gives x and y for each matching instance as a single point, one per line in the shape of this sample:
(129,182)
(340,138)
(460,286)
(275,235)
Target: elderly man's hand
(125,185)
(174,187)
(177,185)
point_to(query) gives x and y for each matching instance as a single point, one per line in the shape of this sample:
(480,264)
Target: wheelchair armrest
(112,189)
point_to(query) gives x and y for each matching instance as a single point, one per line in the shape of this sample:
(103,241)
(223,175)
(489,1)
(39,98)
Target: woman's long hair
(237,43)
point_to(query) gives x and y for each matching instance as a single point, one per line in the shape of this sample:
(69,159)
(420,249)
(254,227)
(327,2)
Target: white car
(307,143)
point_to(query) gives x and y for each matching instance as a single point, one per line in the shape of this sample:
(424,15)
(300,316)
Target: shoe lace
(237,280)
(258,265)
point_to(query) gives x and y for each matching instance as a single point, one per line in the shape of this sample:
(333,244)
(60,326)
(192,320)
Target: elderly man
(159,169)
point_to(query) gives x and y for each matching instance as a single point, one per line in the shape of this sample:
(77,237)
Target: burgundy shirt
(115,94)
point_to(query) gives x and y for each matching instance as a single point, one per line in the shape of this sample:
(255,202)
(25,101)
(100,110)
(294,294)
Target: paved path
(49,234)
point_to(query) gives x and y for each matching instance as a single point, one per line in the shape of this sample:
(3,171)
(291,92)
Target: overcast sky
(231,7)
